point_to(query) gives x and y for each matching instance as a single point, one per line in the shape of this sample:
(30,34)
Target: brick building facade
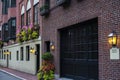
(106,13)
(16,18)
(79,31)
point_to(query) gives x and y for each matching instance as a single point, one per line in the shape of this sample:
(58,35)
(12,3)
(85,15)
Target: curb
(13,74)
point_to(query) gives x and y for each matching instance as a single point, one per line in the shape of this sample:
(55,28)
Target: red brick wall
(0,11)
(20,3)
(108,13)
(11,12)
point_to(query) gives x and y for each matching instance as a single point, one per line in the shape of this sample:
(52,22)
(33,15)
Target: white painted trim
(22,10)
(0,28)
(28,5)
(36,1)
(13,74)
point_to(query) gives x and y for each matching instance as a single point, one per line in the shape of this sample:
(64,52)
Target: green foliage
(47,56)
(47,69)
(28,34)
(24,35)
(19,38)
(46,75)
(29,31)
(1,42)
(35,34)
(44,7)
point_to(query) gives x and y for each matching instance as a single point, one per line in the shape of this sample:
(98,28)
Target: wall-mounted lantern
(52,46)
(6,52)
(112,39)
(32,50)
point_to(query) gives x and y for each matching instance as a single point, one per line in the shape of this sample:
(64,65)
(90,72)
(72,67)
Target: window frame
(36,14)
(17,55)
(22,20)
(28,17)
(12,28)
(22,53)
(12,3)
(27,53)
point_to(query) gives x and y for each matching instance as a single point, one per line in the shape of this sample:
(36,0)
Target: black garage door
(79,51)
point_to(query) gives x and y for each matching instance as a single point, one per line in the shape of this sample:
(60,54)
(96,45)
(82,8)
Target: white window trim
(0,28)
(36,1)
(28,5)
(22,10)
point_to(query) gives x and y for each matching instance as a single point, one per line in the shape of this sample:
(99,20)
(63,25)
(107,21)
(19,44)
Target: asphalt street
(6,76)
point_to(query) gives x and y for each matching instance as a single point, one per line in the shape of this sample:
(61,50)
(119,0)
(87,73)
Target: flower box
(44,10)
(62,2)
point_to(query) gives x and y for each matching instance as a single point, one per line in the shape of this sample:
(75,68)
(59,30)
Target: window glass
(36,14)
(28,17)
(22,20)
(22,54)
(27,53)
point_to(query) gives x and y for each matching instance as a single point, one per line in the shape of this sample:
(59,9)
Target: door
(79,51)
(37,57)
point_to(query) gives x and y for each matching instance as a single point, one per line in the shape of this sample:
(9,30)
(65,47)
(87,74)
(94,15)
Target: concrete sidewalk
(23,75)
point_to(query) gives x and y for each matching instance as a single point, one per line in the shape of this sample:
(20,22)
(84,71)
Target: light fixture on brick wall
(52,46)
(112,39)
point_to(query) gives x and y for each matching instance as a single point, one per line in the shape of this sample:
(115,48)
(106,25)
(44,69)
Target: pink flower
(18,30)
(30,26)
(24,27)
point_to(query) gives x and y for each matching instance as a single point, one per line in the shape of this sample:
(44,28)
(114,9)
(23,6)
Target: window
(0,54)
(0,33)
(4,56)
(22,20)
(12,3)
(22,54)
(5,33)
(5,6)
(36,14)
(22,15)
(28,17)
(47,2)
(12,28)
(17,55)
(10,56)
(47,46)
(27,53)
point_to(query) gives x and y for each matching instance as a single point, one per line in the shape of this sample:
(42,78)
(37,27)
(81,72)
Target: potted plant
(47,69)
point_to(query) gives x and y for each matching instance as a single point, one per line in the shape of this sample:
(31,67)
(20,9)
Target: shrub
(47,56)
